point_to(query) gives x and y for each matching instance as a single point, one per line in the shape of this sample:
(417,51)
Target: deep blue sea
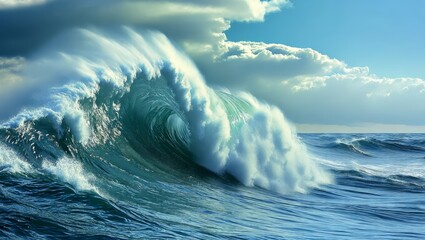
(122,138)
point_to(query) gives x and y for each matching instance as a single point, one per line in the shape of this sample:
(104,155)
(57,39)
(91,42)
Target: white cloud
(274,62)
(19,3)
(314,88)
(9,72)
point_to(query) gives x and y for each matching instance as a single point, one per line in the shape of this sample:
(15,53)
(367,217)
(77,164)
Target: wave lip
(351,146)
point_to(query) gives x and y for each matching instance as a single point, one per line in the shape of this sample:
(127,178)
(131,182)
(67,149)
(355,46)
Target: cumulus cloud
(268,63)
(314,88)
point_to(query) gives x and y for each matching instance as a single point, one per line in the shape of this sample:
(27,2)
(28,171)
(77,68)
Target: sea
(117,135)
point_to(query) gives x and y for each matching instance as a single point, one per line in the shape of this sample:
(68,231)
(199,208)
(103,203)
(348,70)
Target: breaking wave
(122,108)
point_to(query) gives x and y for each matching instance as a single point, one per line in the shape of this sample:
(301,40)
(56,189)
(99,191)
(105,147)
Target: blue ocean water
(108,143)
(375,196)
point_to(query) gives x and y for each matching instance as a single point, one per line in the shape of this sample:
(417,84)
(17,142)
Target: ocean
(122,138)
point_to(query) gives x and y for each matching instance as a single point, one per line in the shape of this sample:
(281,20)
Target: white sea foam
(71,171)
(13,162)
(268,154)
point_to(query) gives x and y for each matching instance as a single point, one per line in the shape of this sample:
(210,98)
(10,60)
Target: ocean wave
(350,146)
(369,146)
(391,176)
(389,144)
(123,105)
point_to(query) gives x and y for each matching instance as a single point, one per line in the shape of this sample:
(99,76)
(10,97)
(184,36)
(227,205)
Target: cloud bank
(309,86)
(314,88)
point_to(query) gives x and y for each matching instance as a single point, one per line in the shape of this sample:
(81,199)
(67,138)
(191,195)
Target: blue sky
(387,36)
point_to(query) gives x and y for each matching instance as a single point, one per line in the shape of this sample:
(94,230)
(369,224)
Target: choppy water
(374,196)
(124,139)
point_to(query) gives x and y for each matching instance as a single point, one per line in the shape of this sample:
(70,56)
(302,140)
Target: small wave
(410,177)
(71,172)
(346,146)
(389,144)
(370,146)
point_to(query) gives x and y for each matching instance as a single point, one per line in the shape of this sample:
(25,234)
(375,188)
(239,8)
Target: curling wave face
(123,108)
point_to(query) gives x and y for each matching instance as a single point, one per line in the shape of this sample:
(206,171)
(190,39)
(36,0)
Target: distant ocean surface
(122,138)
